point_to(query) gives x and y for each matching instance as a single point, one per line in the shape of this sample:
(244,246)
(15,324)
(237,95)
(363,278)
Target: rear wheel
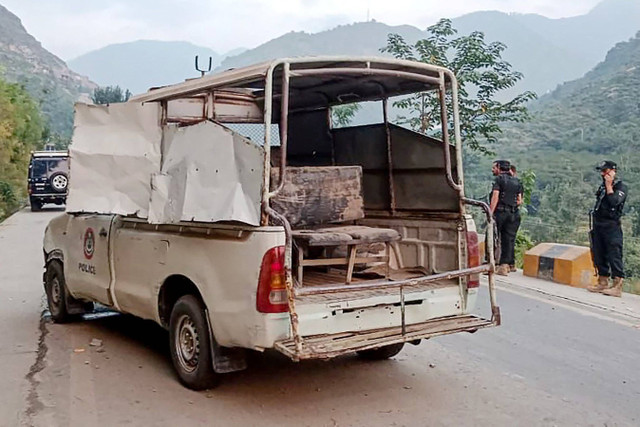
(36,205)
(190,345)
(56,290)
(381,353)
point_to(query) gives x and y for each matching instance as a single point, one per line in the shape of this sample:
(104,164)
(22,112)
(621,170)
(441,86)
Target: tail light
(473,258)
(272,292)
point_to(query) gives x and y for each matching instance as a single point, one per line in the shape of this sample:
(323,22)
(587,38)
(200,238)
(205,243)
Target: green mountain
(46,77)
(547,51)
(363,38)
(552,51)
(598,113)
(141,64)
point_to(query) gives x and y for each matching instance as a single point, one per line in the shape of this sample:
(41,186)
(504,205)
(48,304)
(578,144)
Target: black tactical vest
(604,210)
(509,187)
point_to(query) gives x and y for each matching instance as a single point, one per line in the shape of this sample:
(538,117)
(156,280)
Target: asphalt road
(550,363)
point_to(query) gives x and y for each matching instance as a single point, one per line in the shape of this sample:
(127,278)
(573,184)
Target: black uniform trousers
(607,249)
(507,223)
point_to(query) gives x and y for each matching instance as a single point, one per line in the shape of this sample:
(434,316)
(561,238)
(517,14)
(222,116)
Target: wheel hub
(55,291)
(187,344)
(59,182)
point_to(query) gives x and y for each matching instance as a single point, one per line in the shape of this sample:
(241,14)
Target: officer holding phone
(606,233)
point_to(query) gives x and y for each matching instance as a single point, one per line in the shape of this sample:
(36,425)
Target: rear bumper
(49,197)
(328,346)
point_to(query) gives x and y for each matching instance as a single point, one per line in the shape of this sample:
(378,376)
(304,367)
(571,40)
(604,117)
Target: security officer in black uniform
(606,234)
(506,197)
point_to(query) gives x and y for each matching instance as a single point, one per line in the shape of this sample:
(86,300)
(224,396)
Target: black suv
(48,178)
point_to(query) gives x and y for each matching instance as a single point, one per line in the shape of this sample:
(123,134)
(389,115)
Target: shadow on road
(50,208)
(269,375)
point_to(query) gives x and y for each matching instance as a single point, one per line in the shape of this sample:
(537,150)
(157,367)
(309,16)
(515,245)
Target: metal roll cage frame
(445,78)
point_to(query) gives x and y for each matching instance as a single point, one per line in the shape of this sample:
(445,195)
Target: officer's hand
(608,179)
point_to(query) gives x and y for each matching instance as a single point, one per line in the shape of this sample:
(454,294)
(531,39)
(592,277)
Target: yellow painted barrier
(568,264)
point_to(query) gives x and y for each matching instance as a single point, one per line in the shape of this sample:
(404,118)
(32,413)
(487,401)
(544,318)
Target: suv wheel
(59,182)
(189,344)
(36,205)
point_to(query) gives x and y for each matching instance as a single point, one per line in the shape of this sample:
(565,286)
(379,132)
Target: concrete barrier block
(567,264)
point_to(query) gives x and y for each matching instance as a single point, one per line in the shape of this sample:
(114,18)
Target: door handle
(102,233)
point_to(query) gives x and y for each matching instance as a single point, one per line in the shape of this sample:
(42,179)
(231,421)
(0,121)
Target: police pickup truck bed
(335,241)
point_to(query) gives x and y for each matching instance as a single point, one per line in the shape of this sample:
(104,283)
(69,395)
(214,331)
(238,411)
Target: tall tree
(21,127)
(481,74)
(110,95)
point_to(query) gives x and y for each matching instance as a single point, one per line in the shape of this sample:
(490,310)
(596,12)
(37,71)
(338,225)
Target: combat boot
(502,270)
(616,289)
(603,283)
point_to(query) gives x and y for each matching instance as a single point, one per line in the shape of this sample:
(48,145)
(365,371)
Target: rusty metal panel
(224,107)
(319,195)
(428,243)
(186,109)
(326,346)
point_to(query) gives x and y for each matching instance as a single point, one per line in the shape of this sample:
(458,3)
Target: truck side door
(87,264)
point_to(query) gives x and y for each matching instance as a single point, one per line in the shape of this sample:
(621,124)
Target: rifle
(592,245)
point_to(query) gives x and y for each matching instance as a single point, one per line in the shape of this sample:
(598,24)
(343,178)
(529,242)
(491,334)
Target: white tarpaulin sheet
(209,174)
(114,152)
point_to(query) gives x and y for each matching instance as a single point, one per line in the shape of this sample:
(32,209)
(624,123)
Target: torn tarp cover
(114,151)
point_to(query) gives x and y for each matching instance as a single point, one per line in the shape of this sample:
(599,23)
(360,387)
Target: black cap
(606,164)
(503,165)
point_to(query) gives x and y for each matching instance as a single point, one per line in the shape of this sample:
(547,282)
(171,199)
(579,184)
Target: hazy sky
(69,28)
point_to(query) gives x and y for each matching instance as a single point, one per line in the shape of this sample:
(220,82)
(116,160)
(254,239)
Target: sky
(70,28)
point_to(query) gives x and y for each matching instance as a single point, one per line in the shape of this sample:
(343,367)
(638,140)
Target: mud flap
(225,359)
(75,306)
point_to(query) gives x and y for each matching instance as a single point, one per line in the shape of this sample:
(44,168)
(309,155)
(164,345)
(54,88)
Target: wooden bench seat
(317,201)
(345,235)
(351,236)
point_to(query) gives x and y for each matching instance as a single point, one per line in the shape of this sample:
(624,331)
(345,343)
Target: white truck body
(352,248)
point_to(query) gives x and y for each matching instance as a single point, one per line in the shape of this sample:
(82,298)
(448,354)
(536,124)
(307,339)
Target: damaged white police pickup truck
(313,241)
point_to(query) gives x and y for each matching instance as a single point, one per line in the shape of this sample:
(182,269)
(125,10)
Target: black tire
(56,290)
(189,344)
(36,205)
(59,182)
(381,353)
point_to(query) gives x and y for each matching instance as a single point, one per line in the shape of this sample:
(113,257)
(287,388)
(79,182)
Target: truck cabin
(366,203)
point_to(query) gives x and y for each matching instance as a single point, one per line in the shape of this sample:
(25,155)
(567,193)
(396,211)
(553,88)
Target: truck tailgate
(325,346)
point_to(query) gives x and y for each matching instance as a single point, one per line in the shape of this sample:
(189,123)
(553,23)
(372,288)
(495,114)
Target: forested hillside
(21,127)
(582,122)
(45,76)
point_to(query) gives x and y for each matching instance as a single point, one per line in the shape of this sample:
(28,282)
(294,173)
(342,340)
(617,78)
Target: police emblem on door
(89,243)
